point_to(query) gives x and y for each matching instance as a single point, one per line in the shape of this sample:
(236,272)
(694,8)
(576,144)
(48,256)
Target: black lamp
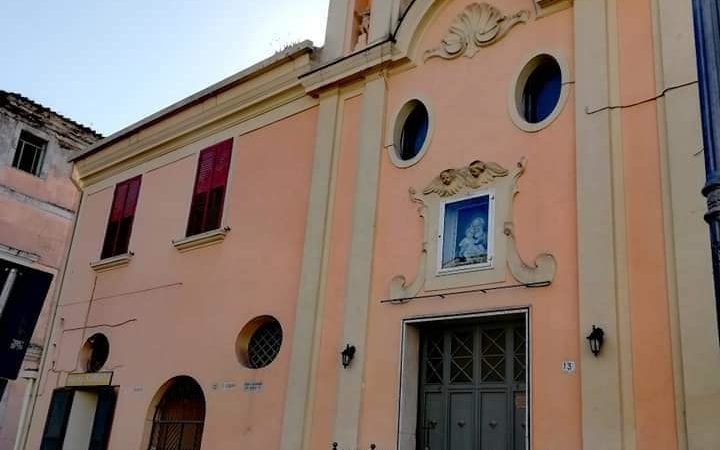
(596,338)
(347,355)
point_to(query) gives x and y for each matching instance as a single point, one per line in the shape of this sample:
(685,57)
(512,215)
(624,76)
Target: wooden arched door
(179,417)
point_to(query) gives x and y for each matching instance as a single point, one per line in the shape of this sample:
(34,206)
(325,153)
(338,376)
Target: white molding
(16,255)
(518,84)
(409,361)
(201,240)
(112,262)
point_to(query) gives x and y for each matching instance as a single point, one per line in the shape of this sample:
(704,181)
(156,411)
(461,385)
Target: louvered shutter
(116,213)
(203,182)
(57,419)
(209,192)
(122,214)
(216,198)
(128,216)
(102,422)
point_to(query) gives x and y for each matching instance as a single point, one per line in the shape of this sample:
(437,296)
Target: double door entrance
(473,386)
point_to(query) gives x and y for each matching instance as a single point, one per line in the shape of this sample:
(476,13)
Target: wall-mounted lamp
(347,355)
(596,338)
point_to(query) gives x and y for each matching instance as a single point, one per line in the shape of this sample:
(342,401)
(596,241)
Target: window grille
(264,344)
(30,153)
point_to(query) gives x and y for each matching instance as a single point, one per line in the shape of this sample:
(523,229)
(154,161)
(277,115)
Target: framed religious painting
(466,233)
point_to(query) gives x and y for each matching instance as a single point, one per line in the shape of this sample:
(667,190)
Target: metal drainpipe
(706,15)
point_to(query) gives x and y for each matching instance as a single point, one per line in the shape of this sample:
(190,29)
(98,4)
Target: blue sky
(109,63)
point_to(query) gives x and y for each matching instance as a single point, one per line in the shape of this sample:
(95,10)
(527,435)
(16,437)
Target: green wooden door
(473,387)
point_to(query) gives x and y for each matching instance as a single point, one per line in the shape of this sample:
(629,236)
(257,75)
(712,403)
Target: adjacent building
(458,225)
(38,201)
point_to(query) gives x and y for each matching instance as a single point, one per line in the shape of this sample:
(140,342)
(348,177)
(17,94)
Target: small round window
(259,342)
(538,93)
(95,352)
(411,132)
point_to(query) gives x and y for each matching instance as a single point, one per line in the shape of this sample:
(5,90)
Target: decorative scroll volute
(479,25)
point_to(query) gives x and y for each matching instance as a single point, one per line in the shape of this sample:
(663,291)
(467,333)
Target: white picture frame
(466,233)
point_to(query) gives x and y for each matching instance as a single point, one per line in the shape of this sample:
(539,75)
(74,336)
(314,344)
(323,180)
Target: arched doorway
(179,417)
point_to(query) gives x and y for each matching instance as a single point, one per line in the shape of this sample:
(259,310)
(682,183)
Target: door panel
(434,422)
(472,386)
(493,422)
(462,421)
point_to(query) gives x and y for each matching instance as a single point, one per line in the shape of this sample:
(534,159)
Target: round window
(95,352)
(411,131)
(538,93)
(259,342)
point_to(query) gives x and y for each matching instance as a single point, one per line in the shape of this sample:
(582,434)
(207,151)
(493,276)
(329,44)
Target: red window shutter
(119,201)
(222,164)
(122,213)
(132,197)
(209,192)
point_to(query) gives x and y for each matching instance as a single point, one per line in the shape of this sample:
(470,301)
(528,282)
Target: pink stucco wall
(185,310)
(468,100)
(36,216)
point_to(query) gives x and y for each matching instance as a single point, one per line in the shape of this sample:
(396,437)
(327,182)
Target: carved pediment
(479,25)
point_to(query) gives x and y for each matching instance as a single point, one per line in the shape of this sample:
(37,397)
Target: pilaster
(304,348)
(357,295)
(607,395)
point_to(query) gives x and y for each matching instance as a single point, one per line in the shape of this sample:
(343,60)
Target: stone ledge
(201,240)
(113,262)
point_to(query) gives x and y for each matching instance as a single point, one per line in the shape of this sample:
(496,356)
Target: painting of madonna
(466,233)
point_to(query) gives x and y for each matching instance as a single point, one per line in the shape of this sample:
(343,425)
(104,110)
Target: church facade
(458,225)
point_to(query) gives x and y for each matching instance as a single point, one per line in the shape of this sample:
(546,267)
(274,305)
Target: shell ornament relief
(479,25)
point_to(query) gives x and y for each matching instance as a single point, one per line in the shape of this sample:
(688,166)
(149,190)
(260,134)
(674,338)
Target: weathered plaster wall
(36,214)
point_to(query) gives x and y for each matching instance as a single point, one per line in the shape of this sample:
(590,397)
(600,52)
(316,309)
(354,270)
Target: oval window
(413,131)
(541,93)
(95,352)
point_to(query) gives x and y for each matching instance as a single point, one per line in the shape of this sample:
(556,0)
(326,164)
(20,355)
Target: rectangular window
(122,214)
(209,192)
(30,153)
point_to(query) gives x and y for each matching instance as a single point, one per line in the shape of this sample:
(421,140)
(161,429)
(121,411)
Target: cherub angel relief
(479,173)
(448,183)
(476,174)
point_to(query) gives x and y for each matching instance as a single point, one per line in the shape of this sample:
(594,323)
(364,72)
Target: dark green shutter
(57,419)
(103,419)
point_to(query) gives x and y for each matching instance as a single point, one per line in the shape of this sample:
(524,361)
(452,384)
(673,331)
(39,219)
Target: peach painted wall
(653,387)
(468,102)
(169,313)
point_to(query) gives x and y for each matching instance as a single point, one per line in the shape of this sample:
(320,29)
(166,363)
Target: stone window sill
(201,240)
(113,262)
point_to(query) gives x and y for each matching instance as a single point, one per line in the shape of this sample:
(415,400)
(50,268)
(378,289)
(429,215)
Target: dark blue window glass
(414,132)
(542,91)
